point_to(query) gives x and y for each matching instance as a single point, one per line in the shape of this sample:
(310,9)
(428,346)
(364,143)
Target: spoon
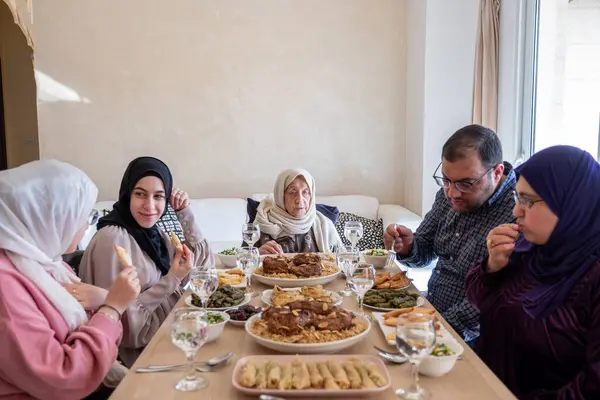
(213,362)
(201,368)
(395,358)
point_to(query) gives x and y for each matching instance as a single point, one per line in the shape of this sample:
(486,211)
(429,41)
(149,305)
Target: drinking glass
(346,257)
(189,330)
(361,279)
(204,284)
(250,233)
(415,339)
(248,259)
(353,230)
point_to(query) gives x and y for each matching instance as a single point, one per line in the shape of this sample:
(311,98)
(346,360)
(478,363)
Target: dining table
(470,379)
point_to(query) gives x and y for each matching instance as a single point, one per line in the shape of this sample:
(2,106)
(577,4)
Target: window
(563,78)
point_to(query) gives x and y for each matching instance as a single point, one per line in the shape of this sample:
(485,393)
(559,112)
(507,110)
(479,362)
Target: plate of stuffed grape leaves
(222,299)
(391,299)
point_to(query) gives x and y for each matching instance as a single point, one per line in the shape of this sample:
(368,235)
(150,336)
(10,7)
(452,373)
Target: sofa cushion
(330,212)
(372,231)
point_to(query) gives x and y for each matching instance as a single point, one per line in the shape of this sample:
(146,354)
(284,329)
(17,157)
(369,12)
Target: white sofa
(221,219)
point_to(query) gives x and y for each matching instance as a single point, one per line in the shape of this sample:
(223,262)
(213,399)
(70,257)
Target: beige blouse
(99,266)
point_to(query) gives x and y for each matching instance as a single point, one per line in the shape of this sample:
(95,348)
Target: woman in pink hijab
(54,343)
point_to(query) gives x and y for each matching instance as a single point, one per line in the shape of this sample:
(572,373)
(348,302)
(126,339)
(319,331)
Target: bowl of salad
(228,257)
(376,257)
(442,358)
(216,324)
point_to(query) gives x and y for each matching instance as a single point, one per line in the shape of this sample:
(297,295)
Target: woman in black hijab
(146,189)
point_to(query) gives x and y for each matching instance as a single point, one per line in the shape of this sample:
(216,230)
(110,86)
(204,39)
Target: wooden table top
(469,379)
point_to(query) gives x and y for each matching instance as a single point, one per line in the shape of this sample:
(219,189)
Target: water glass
(204,284)
(250,233)
(415,339)
(353,231)
(346,257)
(248,259)
(189,330)
(361,279)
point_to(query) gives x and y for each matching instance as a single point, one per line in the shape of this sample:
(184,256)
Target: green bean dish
(390,298)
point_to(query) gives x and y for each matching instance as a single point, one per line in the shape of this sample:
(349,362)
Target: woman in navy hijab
(539,290)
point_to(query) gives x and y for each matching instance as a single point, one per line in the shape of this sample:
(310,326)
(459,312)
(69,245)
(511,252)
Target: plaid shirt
(458,240)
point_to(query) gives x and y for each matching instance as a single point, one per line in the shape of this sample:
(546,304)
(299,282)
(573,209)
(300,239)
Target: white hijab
(42,206)
(275,221)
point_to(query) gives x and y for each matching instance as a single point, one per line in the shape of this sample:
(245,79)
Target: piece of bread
(124,256)
(176,241)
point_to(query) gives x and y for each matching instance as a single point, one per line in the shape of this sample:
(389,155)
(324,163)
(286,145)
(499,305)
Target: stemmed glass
(248,259)
(204,284)
(250,233)
(361,279)
(415,339)
(346,257)
(189,330)
(353,230)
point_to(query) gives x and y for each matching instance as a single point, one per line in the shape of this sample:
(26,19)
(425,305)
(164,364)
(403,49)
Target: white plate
(309,348)
(291,283)
(267,294)
(386,330)
(247,299)
(236,323)
(309,392)
(420,302)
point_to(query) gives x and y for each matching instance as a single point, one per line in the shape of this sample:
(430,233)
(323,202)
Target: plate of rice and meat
(305,269)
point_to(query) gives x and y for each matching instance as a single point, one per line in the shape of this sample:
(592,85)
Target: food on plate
(299,375)
(376,252)
(390,298)
(391,318)
(442,350)
(176,241)
(123,256)
(304,265)
(225,296)
(244,312)
(229,252)
(307,322)
(214,318)
(396,313)
(388,280)
(339,374)
(281,297)
(231,277)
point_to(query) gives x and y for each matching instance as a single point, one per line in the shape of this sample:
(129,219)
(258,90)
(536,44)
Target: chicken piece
(306,270)
(275,265)
(306,258)
(283,321)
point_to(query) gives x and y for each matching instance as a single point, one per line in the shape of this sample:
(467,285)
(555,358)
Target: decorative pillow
(166,222)
(330,212)
(372,231)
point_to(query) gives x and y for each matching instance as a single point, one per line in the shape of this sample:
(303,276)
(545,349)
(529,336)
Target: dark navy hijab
(567,179)
(150,239)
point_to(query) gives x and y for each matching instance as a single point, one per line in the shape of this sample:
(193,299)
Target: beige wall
(228,92)
(18,85)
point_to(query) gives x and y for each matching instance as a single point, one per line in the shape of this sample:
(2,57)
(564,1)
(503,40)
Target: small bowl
(376,261)
(437,366)
(215,330)
(228,261)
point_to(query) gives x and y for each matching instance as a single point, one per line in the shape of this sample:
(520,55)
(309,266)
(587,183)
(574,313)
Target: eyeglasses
(525,202)
(461,186)
(94,217)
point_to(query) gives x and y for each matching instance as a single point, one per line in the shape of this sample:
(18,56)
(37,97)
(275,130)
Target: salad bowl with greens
(227,257)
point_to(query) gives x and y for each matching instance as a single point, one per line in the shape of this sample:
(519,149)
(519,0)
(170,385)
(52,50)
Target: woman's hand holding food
(183,262)
(270,247)
(124,290)
(500,245)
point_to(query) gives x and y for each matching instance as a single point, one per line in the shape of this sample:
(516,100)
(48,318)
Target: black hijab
(149,239)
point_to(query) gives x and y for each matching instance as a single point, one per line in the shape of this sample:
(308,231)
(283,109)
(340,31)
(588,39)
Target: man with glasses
(476,195)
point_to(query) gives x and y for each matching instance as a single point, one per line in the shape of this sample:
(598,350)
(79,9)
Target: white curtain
(485,96)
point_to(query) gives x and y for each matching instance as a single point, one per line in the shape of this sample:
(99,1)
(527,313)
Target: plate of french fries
(388,321)
(311,375)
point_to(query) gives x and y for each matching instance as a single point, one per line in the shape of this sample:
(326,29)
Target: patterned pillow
(166,222)
(372,231)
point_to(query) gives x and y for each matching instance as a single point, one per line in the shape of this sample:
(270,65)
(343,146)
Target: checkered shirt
(458,240)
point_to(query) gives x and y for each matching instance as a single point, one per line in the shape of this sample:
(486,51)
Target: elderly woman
(54,344)
(145,189)
(539,289)
(290,223)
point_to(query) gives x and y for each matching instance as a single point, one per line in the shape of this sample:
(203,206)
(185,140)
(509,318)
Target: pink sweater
(39,357)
